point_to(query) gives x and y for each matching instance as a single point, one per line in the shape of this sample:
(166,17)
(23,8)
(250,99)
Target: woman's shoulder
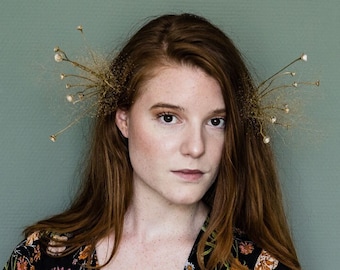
(246,252)
(26,254)
(31,254)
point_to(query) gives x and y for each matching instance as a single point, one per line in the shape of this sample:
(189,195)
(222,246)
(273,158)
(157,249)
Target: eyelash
(163,115)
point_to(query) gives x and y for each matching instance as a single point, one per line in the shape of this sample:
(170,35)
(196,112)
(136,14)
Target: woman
(178,175)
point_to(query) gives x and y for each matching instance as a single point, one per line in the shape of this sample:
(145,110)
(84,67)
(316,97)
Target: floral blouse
(28,256)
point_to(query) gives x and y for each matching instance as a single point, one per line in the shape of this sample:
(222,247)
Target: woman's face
(175,132)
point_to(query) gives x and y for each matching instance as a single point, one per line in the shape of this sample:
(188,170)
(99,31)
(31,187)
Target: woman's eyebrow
(219,111)
(166,105)
(179,108)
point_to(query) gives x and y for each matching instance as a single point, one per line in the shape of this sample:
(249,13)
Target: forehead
(181,84)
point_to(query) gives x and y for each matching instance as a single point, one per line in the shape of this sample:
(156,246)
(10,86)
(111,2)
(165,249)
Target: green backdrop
(38,177)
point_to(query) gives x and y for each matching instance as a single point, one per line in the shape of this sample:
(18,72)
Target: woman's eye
(167,118)
(218,122)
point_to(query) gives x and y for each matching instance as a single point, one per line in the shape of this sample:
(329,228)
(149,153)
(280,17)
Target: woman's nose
(193,143)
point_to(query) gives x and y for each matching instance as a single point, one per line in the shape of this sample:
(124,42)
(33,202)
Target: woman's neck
(147,220)
(156,227)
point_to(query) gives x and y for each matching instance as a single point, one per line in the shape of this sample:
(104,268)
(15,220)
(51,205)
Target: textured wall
(38,177)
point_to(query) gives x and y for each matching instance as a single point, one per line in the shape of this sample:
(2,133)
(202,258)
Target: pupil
(168,118)
(215,121)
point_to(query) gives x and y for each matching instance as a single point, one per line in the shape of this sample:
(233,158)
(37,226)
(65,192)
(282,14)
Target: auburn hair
(246,193)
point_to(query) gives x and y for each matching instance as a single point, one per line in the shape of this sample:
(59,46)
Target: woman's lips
(189,175)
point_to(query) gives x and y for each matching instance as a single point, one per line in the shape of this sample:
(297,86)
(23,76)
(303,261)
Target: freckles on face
(176,131)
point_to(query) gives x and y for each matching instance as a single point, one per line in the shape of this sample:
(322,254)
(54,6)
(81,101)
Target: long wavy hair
(246,193)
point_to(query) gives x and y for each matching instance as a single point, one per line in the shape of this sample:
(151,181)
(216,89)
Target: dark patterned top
(28,256)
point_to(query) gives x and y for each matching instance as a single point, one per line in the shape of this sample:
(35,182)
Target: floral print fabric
(29,256)
(245,252)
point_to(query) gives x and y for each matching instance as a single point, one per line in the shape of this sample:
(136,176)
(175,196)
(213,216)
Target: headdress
(269,104)
(99,86)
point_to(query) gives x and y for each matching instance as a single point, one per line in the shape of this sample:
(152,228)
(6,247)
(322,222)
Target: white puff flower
(69,98)
(58,57)
(266,139)
(273,119)
(80,28)
(304,57)
(286,108)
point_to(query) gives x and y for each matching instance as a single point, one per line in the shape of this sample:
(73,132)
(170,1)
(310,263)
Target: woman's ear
(122,122)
